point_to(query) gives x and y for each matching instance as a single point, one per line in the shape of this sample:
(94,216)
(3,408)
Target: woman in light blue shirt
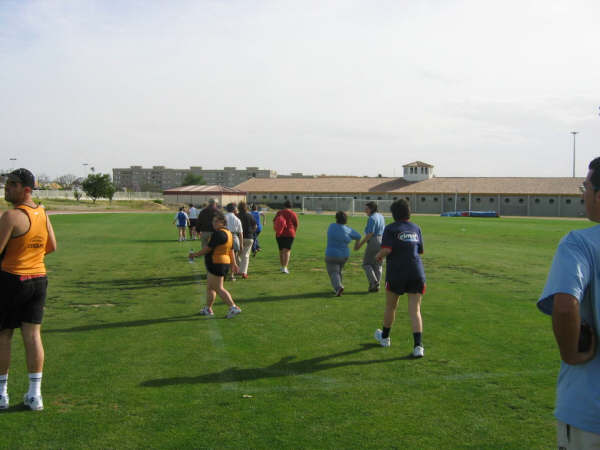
(339,235)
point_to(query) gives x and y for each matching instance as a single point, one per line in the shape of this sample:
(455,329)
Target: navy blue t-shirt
(406,243)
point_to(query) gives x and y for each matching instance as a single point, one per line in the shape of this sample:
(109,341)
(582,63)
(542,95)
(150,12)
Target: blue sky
(476,88)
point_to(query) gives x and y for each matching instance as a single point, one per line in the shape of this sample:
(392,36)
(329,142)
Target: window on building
(275,197)
(285,197)
(435,199)
(537,200)
(378,198)
(568,201)
(297,197)
(423,199)
(368,198)
(462,199)
(264,196)
(507,200)
(478,200)
(581,201)
(407,199)
(492,200)
(254,197)
(551,201)
(521,200)
(450,199)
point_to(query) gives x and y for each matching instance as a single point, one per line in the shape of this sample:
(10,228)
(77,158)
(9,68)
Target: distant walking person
(218,257)
(373,235)
(193,213)
(235,226)
(26,236)
(572,297)
(204,222)
(182,221)
(248,229)
(285,224)
(259,218)
(339,235)
(402,246)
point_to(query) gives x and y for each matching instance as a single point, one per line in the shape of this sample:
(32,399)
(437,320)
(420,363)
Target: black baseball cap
(23,176)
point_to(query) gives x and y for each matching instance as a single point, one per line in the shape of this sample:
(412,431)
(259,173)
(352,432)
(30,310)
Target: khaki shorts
(570,438)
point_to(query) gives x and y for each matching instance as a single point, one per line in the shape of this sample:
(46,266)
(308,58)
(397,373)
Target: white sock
(35,384)
(3,384)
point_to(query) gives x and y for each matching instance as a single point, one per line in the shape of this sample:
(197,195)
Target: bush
(158,201)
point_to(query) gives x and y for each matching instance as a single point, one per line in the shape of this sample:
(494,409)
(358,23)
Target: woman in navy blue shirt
(401,246)
(339,235)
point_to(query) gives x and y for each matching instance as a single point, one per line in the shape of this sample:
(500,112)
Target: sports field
(130,364)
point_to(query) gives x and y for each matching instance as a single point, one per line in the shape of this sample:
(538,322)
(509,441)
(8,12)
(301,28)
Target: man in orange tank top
(26,236)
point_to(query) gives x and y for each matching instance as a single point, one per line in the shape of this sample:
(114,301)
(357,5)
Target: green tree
(110,192)
(97,185)
(191,179)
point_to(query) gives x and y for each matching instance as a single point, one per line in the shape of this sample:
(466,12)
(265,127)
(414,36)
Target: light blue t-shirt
(338,238)
(576,271)
(375,224)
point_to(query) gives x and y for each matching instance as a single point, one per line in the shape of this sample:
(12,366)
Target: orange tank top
(24,254)
(220,254)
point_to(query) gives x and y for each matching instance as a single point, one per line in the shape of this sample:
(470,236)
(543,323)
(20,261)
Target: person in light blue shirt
(373,235)
(339,235)
(572,296)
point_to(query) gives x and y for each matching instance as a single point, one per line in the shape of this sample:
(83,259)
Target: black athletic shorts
(218,270)
(193,223)
(404,286)
(285,242)
(22,299)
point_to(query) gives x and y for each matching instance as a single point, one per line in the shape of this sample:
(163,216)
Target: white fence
(349,205)
(56,194)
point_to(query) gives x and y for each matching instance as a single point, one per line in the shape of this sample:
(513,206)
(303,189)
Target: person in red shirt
(285,224)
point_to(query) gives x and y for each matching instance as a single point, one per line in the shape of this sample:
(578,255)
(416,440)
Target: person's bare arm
(382,253)
(7,225)
(566,324)
(360,243)
(51,242)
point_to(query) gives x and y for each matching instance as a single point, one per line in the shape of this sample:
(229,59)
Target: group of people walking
(400,244)
(230,238)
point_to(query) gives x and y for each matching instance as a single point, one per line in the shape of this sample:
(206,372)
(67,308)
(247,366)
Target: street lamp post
(84,169)
(574,133)
(12,167)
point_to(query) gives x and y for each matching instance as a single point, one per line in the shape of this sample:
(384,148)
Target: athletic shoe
(339,292)
(34,402)
(4,401)
(373,288)
(384,342)
(233,311)
(285,270)
(244,276)
(418,351)
(206,312)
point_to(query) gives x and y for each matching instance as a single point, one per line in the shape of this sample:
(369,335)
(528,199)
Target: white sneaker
(418,351)
(384,342)
(34,402)
(4,401)
(233,311)
(206,312)
(285,270)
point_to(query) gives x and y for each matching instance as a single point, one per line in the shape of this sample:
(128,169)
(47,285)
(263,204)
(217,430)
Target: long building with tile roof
(517,196)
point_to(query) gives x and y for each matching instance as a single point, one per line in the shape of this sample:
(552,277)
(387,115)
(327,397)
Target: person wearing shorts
(193,213)
(26,236)
(401,246)
(218,257)
(182,221)
(285,224)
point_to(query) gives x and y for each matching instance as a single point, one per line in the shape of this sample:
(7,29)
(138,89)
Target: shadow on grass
(141,283)
(131,323)
(283,368)
(318,295)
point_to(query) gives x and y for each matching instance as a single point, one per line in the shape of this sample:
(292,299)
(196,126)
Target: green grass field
(130,364)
